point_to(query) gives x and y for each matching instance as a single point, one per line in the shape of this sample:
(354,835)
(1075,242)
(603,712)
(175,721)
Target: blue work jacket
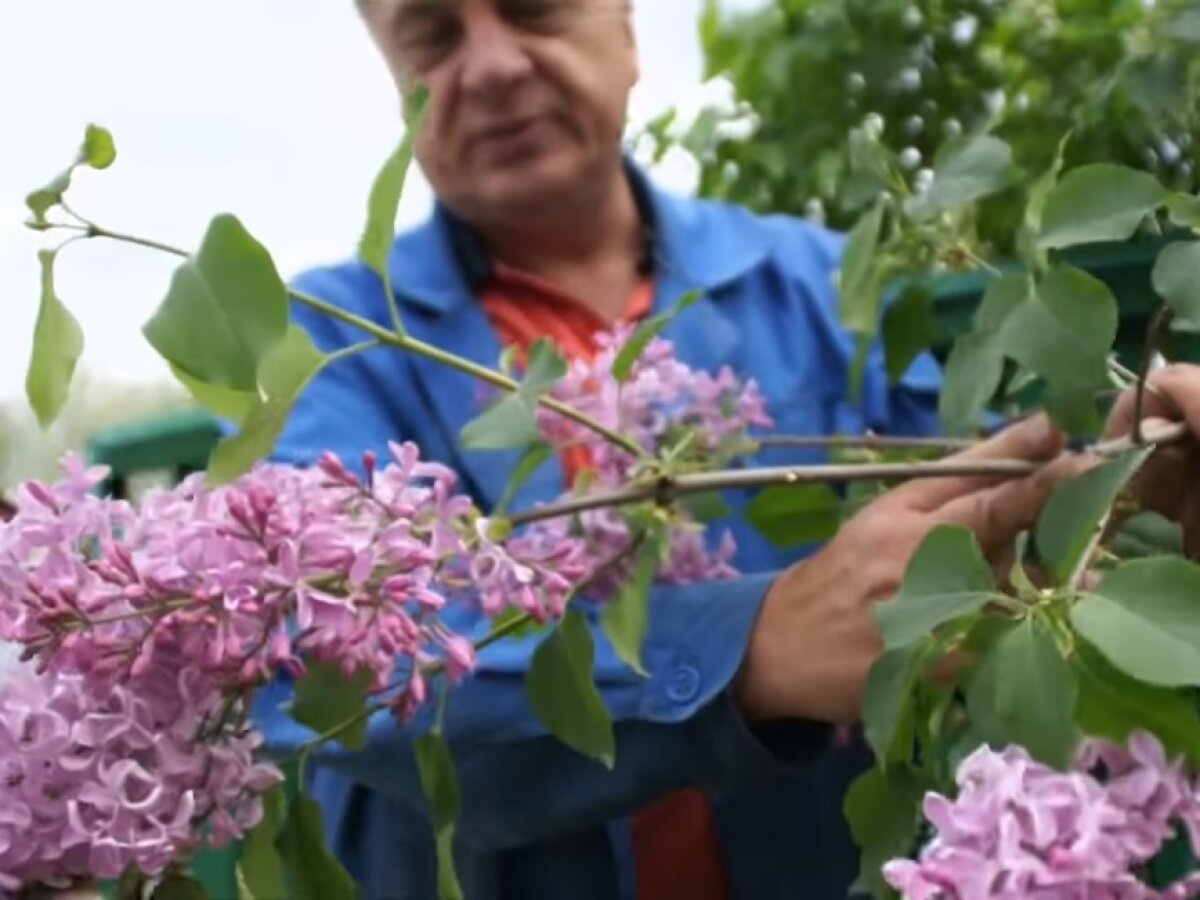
(539,821)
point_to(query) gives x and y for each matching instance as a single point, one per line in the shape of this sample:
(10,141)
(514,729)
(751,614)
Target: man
(726,782)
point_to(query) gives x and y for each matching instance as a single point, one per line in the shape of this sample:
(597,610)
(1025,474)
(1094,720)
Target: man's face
(527,98)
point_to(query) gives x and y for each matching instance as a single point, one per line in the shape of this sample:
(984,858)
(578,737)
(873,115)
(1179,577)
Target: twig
(685,485)
(399,341)
(864,441)
(1162,318)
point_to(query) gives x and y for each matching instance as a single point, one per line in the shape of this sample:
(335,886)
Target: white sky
(216,105)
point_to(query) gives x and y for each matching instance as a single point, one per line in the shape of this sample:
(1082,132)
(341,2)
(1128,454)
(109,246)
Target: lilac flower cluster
(281,568)
(662,399)
(663,403)
(90,784)
(1019,829)
(149,626)
(126,742)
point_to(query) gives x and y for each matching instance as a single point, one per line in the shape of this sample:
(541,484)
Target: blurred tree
(1122,75)
(97,401)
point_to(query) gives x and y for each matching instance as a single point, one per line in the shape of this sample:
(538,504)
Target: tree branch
(399,341)
(863,442)
(668,490)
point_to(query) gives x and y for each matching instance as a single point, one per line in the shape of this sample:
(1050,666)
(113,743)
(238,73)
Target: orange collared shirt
(676,850)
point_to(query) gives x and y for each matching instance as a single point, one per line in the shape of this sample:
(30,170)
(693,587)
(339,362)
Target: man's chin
(542,192)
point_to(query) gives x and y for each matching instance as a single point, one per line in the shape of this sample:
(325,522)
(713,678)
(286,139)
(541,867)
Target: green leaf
(626,618)
(1098,202)
(57,346)
(1077,508)
(967,169)
(438,780)
(1004,295)
(887,701)
(1147,534)
(260,870)
(534,457)
(45,198)
(1065,329)
(883,810)
(310,868)
(1073,409)
(861,290)
(512,422)
(1112,705)
(1145,619)
(1024,692)
(225,310)
(972,375)
(975,366)
(131,885)
(632,351)
(284,374)
(222,401)
(909,327)
(1035,204)
(435,766)
(177,886)
(946,577)
(383,204)
(788,515)
(1185,211)
(706,507)
(325,697)
(562,694)
(525,626)
(99,150)
(1176,278)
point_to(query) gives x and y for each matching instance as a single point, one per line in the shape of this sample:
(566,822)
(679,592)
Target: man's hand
(1169,482)
(816,638)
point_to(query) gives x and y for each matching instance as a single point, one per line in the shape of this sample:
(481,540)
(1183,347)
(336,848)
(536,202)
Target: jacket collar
(438,265)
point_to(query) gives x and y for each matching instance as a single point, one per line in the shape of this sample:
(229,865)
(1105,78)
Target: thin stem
(667,490)
(95,231)
(400,342)
(1085,558)
(483,373)
(500,632)
(1162,318)
(865,442)
(978,260)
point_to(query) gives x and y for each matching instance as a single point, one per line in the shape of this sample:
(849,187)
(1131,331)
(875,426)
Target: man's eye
(542,15)
(424,43)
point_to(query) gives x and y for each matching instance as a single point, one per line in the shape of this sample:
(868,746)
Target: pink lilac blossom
(661,398)
(661,401)
(282,567)
(126,743)
(91,784)
(1020,829)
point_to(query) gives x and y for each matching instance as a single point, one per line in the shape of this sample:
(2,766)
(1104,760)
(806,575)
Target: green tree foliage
(1122,76)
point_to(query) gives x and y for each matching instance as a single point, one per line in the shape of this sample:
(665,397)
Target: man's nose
(494,56)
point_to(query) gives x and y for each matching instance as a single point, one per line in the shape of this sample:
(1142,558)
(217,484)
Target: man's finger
(1034,439)
(998,514)
(1177,392)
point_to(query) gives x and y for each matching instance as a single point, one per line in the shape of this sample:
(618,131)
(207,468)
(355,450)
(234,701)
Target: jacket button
(684,684)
